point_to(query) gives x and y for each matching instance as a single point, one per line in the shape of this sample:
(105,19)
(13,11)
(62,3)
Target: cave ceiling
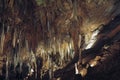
(48,19)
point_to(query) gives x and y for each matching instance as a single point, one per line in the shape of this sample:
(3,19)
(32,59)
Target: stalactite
(27,46)
(79,42)
(2,40)
(75,9)
(15,61)
(33,62)
(59,46)
(48,22)
(8,28)
(6,77)
(19,52)
(21,64)
(76,69)
(14,38)
(50,68)
(71,48)
(30,69)
(50,72)
(62,56)
(68,51)
(41,74)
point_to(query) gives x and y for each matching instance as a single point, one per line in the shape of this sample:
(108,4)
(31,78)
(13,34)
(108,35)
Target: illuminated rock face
(49,29)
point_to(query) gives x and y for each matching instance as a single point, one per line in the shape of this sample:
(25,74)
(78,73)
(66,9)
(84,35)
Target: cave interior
(59,40)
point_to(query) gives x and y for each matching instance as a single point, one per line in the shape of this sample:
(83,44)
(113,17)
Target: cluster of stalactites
(17,52)
(57,54)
